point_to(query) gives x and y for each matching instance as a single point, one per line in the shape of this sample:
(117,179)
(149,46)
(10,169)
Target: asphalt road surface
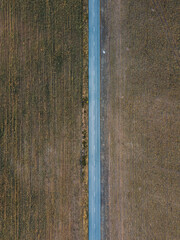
(94,120)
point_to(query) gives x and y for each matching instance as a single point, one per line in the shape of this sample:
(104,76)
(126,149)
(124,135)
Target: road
(94,120)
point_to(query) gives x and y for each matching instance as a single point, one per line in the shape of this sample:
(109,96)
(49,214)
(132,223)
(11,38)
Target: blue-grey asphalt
(94,121)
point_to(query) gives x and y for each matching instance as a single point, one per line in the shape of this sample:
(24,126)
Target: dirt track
(139,120)
(43,120)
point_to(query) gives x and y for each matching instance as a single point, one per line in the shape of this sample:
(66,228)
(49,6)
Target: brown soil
(43,120)
(140,117)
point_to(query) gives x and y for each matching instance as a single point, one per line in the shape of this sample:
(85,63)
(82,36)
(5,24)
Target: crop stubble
(43,119)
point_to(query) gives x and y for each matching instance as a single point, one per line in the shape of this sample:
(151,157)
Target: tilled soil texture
(140,120)
(43,119)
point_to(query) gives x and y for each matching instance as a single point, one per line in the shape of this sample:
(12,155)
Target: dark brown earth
(43,120)
(140,120)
